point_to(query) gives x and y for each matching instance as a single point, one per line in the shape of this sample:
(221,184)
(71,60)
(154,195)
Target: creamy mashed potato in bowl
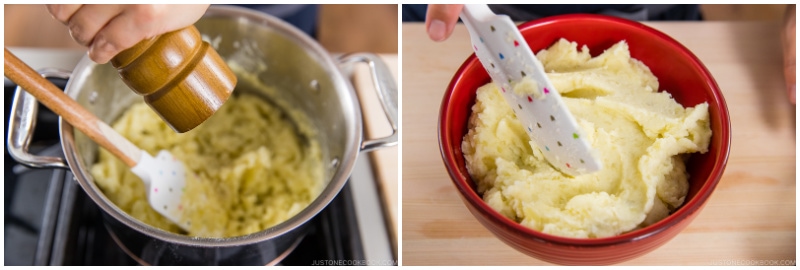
(540,212)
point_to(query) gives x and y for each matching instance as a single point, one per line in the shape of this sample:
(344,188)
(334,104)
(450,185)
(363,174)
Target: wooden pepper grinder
(180,76)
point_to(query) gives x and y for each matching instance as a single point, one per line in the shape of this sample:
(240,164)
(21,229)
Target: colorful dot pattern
(167,185)
(510,60)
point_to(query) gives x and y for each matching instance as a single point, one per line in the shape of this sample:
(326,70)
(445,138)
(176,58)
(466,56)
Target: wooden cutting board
(749,219)
(385,160)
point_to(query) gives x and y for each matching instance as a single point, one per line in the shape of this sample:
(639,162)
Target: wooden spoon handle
(52,97)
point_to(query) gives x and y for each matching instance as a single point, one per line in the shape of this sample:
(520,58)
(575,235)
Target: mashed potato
(642,136)
(252,166)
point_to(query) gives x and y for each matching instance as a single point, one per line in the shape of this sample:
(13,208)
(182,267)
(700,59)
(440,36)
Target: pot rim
(346,162)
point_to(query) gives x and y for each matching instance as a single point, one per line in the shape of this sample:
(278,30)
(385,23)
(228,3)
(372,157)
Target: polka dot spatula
(164,177)
(521,78)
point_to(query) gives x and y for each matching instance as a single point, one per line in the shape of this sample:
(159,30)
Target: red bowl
(679,72)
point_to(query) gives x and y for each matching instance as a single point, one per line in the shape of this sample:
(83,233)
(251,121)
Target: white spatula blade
(505,55)
(165,179)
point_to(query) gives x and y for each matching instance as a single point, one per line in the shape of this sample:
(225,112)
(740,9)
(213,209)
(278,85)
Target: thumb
(440,20)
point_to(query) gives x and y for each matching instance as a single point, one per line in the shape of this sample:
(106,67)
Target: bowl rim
(684,211)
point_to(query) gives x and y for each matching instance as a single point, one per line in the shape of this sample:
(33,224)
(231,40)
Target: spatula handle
(52,97)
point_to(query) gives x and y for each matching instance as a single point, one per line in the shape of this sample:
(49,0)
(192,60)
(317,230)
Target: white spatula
(505,55)
(164,177)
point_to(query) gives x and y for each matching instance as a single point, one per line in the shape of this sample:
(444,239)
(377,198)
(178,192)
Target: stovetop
(49,220)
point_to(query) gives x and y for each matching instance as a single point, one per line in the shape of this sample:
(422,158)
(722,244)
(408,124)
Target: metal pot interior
(261,50)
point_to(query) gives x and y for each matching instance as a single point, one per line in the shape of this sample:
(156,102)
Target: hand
(789,52)
(440,20)
(110,29)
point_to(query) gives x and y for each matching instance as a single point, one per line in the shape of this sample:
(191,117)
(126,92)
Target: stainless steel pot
(260,47)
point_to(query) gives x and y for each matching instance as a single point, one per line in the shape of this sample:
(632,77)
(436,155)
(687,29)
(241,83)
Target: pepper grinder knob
(181,77)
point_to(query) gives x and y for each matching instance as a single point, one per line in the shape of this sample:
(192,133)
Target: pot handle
(386,88)
(22,122)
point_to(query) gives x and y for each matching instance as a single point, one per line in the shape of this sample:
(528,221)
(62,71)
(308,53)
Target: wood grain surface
(749,219)
(181,77)
(385,160)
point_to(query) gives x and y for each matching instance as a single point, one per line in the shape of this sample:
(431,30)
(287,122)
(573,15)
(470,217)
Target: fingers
(440,20)
(109,29)
(176,16)
(139,22)
(62,13)
(89,19)
(115,36)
